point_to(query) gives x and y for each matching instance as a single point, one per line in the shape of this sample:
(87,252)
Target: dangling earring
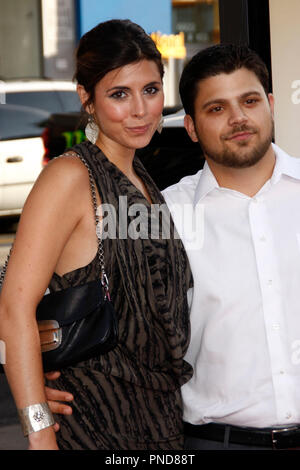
(160,125)
(92,130)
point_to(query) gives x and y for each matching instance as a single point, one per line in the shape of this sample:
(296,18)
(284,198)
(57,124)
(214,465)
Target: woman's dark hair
(214,60)
(111,45)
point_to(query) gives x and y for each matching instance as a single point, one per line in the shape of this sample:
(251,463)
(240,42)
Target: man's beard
(240,157)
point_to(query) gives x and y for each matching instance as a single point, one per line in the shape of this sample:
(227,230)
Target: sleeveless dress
(129,398)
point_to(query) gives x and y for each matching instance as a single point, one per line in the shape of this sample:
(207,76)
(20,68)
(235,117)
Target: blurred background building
(38,37)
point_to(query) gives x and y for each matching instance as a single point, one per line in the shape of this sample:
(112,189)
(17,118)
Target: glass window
(52,101)
(70,101)
(199,20)
(20,39)
(17,122)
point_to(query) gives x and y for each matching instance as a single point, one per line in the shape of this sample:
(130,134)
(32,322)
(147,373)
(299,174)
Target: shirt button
(270,282)
(276,326)
(282,372)
(288,415)
(262,238)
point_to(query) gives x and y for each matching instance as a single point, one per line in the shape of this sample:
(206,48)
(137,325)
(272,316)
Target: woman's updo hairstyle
(111,45)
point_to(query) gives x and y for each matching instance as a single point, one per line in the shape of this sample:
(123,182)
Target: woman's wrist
(35,418)
(43,440)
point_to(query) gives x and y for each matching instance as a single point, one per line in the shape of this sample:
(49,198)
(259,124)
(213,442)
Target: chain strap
(3,270)
(100,252)
(104,278)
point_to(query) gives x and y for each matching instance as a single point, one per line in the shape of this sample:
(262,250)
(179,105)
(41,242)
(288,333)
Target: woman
(128,398)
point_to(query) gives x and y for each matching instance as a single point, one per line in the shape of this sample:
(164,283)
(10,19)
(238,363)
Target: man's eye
(251,101)
(216,109)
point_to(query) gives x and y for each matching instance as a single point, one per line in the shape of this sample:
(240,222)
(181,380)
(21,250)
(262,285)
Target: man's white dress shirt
(245,314)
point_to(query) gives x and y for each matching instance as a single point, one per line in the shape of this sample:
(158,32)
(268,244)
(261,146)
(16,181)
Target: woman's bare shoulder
(65,172)
(66,163)
(64,182)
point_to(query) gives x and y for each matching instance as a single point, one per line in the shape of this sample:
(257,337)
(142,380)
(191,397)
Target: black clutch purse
(79,322)
(75,324)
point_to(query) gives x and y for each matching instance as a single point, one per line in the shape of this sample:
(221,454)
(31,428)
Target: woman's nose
(138,106)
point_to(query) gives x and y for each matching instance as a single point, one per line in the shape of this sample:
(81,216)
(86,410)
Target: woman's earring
(160,125)
(91,130)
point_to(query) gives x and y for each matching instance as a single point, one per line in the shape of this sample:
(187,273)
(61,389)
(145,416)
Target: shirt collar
(206,183)
(284,165)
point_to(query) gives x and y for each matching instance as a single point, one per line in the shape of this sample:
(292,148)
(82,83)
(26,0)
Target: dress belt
(275,438)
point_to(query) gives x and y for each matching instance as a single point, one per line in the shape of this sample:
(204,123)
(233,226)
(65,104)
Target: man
(245,311)
(245,257)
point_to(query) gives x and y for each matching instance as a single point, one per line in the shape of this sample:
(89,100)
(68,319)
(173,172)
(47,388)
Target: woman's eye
(118,94)
(151,90)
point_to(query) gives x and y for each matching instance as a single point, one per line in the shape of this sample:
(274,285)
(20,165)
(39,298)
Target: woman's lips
(138,129)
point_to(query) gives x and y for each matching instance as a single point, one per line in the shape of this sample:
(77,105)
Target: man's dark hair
(214,60)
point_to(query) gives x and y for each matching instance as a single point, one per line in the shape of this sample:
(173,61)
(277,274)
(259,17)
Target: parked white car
(24,108)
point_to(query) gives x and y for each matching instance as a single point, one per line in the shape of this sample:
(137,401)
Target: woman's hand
(56,397)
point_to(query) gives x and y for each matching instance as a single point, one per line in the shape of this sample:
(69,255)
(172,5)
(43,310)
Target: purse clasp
(50,335)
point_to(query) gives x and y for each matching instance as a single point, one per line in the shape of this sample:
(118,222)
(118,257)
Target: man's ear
(190,127)
(84,96)
(271,103)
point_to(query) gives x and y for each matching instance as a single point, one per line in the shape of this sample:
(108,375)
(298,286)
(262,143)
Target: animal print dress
(129,398)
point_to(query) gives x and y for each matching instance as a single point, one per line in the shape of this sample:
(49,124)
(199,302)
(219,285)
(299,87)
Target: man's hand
(56,397)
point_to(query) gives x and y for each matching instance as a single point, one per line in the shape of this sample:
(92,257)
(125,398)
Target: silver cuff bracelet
(35,418)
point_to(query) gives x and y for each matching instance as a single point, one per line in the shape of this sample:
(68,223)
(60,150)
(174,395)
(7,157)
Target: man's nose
(237,116)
